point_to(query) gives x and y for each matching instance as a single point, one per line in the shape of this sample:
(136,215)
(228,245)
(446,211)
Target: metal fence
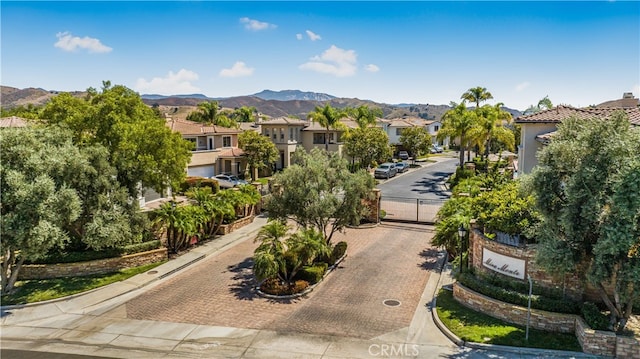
(410,209)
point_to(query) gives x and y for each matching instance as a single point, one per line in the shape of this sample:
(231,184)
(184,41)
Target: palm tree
(303,248)
(543,104)
(328,117)
(364,115)
(456,123)
(209,112)
(490,126)
(477,95)
(268,258)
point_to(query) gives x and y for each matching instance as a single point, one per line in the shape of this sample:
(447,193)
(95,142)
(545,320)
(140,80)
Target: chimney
(627,95)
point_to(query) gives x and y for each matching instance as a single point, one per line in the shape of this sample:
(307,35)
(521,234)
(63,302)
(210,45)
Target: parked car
(402,167)
(436,149)
(229,181)
(385,170)
(403,155)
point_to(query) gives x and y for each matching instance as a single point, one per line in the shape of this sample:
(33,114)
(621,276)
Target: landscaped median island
(291,264)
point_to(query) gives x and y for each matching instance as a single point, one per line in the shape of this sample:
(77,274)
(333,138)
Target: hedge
(89,255)
(514,297)
(312,274)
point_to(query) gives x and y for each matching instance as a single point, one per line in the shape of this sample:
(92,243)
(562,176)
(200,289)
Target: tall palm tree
(544,104)
(209,112)
(490,126)
(456,123)
(477,95)
(364,115)
(328,117)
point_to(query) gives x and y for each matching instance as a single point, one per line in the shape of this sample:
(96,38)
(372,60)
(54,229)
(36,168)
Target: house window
(318,138)
(398,131)
(210,140)
(282,134)
(226,141)
(436,128)
(266,132)
(193,143)
(290,133)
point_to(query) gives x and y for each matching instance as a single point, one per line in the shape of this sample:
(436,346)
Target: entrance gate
(410,209)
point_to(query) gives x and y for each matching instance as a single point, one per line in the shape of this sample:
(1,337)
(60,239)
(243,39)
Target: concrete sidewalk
(96,324)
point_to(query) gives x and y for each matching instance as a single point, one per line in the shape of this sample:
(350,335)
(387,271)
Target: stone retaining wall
(98,266)
(228,228)
(573,286)
(592,341)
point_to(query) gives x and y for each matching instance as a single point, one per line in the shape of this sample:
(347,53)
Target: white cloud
(255,25)
(372,68)
(334,61)
(313,36)
(299,36)
(173,83)
(68,42)
(239,69)
(521,86)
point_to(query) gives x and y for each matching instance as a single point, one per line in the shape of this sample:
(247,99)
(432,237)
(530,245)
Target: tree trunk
(462,148)
(14,275)
(7,263)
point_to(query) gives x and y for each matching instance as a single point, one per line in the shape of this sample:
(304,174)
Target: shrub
(514,297)
(192,181)
(312,274)
(89,255)
(275,287)
(337,252)
(594,317)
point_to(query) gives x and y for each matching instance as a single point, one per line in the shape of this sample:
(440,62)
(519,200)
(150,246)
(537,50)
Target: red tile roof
(559,113)
(194,128)
(231,152)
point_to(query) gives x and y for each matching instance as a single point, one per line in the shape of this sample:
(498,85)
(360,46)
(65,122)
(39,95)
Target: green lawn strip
(31,291)
(476,327)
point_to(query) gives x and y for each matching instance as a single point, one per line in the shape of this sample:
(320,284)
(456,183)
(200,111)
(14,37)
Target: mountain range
(292,103)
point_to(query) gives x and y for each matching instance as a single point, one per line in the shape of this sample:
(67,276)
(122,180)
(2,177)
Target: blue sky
(577,53)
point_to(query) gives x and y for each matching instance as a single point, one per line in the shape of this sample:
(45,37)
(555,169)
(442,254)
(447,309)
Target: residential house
(537,129)
(215,148)
(286,134)
(314,135)
(394,127)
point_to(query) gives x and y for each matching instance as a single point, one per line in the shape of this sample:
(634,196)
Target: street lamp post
(462,232)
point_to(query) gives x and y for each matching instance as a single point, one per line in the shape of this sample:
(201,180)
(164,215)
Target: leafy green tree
(55,196)
(209,113)
(457,122)
(586,187)
(318,191)
(369,145)
(364,115)
(259,151)
(244,114)
(30,111)
(329,118)
(141,147)
(416,140)
(477,95)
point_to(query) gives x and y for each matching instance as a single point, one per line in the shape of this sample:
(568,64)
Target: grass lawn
(476,327)
(31,291)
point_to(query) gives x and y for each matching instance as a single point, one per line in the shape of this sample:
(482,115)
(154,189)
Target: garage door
(201,171)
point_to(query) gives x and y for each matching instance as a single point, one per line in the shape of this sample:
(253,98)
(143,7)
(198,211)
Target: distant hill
(291,103)
(288,95)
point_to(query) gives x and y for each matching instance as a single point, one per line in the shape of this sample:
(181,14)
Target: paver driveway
(385,262)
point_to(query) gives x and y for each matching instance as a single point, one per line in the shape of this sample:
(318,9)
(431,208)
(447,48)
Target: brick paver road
(385,262)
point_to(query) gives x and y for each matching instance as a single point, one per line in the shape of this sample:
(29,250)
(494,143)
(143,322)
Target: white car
(229,181)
